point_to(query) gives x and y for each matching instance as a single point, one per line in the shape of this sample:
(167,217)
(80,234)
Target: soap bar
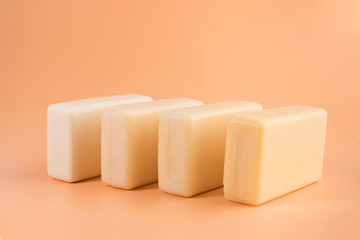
(273,152)
(192,146)
(73,136)
(129,142)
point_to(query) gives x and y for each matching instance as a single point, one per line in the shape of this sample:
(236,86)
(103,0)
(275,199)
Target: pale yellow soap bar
(192,146)
(129,142)
(273,152)
(74,138)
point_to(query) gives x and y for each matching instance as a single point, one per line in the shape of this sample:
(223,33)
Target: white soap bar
(273,152)
(192,146)
(74,138)
(129,142)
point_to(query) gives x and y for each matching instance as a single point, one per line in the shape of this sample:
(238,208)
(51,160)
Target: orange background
(276,53)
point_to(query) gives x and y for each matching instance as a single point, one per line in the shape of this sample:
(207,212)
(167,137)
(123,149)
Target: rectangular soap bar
(273,152)
(192,146)
(73,136)
(129,142)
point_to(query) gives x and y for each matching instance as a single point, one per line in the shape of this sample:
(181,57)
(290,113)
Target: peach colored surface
(276,53)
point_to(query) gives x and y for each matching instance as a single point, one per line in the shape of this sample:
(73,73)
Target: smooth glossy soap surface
(192,146)
(129,142)
(273,152)
(74,138)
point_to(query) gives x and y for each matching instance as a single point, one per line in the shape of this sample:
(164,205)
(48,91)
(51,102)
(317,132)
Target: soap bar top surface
(276,115)
(97,103)
(215,109)
(158,105)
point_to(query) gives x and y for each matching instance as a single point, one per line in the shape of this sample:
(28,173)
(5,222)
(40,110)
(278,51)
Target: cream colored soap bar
(192,146)
(273,152)
(129,142)
(73,136)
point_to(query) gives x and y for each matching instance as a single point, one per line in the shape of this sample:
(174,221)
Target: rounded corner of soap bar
(190,100)
(53,108)
(189,195)
(50,107)
(66,176)
(251,106)
(180,194)
(323,111)
(163,188)
(243,120)
(58,108)
(199,102)
(63,179)
(118,185)
(147,97)
(252,202)
(108,183)
(258,106)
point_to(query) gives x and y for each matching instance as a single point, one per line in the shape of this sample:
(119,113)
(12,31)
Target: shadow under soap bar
(73,136)
(273,152)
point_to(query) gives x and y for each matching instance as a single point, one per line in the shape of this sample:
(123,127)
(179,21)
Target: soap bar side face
(59,143)
(143,144)
(206,157)
(114,135)
(86,135)
(174,133)
(105,145)
(243,161)
(292,154)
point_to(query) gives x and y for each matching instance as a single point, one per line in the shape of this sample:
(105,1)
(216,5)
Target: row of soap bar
(133,141)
